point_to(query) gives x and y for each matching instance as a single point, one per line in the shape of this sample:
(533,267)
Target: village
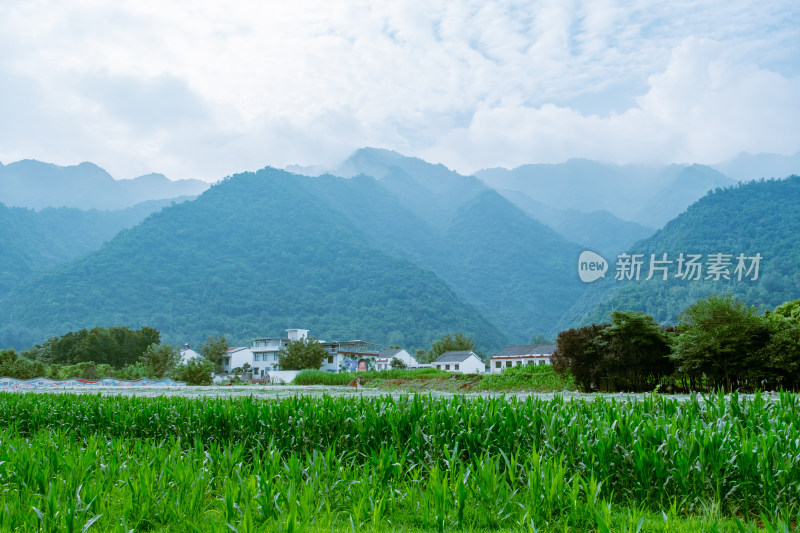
(260,361)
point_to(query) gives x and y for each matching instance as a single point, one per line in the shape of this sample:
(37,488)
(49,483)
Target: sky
(207,88)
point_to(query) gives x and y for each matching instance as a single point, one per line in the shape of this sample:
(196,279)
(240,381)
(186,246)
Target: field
(416,463)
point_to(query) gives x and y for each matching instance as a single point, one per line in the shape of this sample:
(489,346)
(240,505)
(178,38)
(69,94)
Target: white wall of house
(407,358)
(187,354)
(470,365)
(497,364)
(236,358)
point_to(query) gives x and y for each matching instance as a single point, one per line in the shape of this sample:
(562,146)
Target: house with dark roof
(384,361)
(465,362)
(521,354)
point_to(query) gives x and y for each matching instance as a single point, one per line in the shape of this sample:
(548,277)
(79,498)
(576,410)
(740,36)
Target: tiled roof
(388,354)
(526,349)
(455,357)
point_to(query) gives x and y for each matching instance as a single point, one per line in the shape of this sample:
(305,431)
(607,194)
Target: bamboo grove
(86,462)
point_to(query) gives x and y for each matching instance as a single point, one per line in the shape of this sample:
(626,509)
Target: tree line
(720,343)
(116,351)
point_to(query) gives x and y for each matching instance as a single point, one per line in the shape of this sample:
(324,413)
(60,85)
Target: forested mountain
(515,270)
(34,184)
(648,195)
(601,230)
(759,217)
(254,255)
(690,184)
(37,241)
(432,192)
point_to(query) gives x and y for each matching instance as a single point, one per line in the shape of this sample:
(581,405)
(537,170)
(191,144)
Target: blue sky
(206,89)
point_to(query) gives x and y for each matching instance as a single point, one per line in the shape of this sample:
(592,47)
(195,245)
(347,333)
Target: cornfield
(78,463)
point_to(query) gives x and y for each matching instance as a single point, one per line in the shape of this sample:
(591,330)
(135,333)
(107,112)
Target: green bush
(321,377)
(540,378)
(197,371)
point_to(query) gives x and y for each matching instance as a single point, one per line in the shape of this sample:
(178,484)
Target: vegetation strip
(73,462)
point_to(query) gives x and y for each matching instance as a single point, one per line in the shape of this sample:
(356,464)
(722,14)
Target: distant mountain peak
(35,184)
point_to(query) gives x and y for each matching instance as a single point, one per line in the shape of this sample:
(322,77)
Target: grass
(533,378)
(711,463)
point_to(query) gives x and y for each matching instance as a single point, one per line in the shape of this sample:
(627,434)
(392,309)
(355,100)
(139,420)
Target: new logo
(591,266)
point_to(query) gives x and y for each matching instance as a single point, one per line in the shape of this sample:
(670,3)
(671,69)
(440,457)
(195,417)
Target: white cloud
(704,107)
(202,89)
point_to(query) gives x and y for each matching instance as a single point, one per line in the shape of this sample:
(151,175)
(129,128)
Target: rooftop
(455,357)
(519,350)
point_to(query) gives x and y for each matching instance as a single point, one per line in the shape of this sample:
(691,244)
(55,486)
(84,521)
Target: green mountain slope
(759,217)
(599,230)
(254,255)
(35,242)
(516,271)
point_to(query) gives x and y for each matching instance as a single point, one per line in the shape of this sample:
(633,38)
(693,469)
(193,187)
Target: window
(517,363)
(447,367)
(542,362)
(256,357)
(456,367)
(508,364)
(330,359)
(498,364)
(531,362)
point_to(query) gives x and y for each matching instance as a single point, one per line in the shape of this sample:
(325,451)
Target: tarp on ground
(47,383)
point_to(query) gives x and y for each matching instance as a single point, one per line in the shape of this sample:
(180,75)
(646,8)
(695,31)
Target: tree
(721,340)
(782,352)
(117,346)
(197,371)
(396,362)
(213,350)
(160,360)
(448,343)
(577,353)
(634,351)
(302,354)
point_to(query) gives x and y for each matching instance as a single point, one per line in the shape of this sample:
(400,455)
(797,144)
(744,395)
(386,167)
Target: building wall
(507,362)
(470,365)
(403,355)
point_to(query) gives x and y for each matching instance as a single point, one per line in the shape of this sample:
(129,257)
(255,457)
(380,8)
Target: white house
(525,354)
(187,354)
(236,357)
(465,362)
(384,360)
(350,356)
(265,351)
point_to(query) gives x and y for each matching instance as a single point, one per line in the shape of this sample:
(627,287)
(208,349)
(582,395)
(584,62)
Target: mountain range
(384,247)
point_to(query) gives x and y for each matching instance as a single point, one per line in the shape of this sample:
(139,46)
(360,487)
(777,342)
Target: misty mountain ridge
(33,184)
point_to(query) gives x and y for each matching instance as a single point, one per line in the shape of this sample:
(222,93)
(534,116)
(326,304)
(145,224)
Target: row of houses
(357,355)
